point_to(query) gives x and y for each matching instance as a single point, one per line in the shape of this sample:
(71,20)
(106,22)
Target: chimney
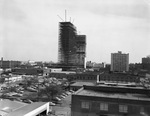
(97,78)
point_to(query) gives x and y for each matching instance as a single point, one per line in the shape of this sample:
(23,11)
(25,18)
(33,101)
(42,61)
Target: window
(104,106)
(85,104)
(123,108)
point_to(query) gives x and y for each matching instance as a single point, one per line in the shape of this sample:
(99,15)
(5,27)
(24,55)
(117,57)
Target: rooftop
(26,109)
(16,108)
(8,105)
(81,83)
(114,92)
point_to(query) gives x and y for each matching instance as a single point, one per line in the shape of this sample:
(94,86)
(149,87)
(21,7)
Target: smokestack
(97,78)
(84,62)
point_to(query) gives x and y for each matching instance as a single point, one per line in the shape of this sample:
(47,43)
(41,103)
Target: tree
(30,81)
(2,80)
(50,89)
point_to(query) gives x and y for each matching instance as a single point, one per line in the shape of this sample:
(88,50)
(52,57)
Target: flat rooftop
(9,106)
(15,108)
(81,83)
(112,93)
(26,109)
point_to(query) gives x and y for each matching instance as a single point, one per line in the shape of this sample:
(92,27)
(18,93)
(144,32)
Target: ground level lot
(63,109)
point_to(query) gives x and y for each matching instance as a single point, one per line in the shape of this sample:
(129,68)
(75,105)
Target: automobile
(61,96)
(64,94)
(21,88)
(67,92)
(58,98)
(31,89)
(21,92)
(56,102)
(18,95)
(71,91)
(52,104)
(27,101)
(17,99)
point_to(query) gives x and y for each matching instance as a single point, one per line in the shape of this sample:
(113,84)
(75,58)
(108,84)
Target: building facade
(80,49)
(146,63)
(119,78)
(119,62)
(72,47)
(146,60)
(110,101)
(4,64)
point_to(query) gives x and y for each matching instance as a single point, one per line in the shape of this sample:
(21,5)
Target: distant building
(4,64)
(47,71)
(81,50)
(14,78)
(110,101)
(146,60)
(119,62)
(119,78)
(95,66)
(146,63)
(72,47)
(28,71)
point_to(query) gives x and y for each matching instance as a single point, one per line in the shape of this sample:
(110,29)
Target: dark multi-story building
(146,63)
(110,101)
(71,48)
(146,60)
(80,50)
(119,78)
(4,64)
(119,62)
(67,37)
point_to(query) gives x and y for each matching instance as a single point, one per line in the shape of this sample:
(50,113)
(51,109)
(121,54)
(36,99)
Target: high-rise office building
(146,63)
(119,62)
(80,49)
(67,36)
(72,47)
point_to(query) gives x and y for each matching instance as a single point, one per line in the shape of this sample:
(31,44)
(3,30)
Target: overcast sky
(29,28)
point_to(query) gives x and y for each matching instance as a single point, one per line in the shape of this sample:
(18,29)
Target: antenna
(65,15)
(60,18)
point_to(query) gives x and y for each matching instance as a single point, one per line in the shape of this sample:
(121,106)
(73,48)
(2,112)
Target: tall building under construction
(72,47)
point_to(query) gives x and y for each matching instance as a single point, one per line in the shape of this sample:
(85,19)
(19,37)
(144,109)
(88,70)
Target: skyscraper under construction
(72,47)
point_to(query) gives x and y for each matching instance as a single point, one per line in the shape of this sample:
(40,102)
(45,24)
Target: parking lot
(28,94)
(63,109)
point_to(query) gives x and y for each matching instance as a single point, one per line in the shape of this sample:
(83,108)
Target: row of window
(104,106)
(86,78)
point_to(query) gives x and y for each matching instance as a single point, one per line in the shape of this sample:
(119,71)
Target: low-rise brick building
(111,101)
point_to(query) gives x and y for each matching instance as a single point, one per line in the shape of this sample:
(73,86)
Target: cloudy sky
(29,28)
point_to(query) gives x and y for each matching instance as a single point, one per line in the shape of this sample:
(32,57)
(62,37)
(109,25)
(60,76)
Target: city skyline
(29,29)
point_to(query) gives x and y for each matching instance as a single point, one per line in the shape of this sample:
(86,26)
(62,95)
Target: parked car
(64,94)
(31,89)
(61,96)
(58,98)
(27,101)
(71,91)
(67,92)
(52,104)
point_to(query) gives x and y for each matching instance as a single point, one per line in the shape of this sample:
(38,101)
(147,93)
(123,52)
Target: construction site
(71,47)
